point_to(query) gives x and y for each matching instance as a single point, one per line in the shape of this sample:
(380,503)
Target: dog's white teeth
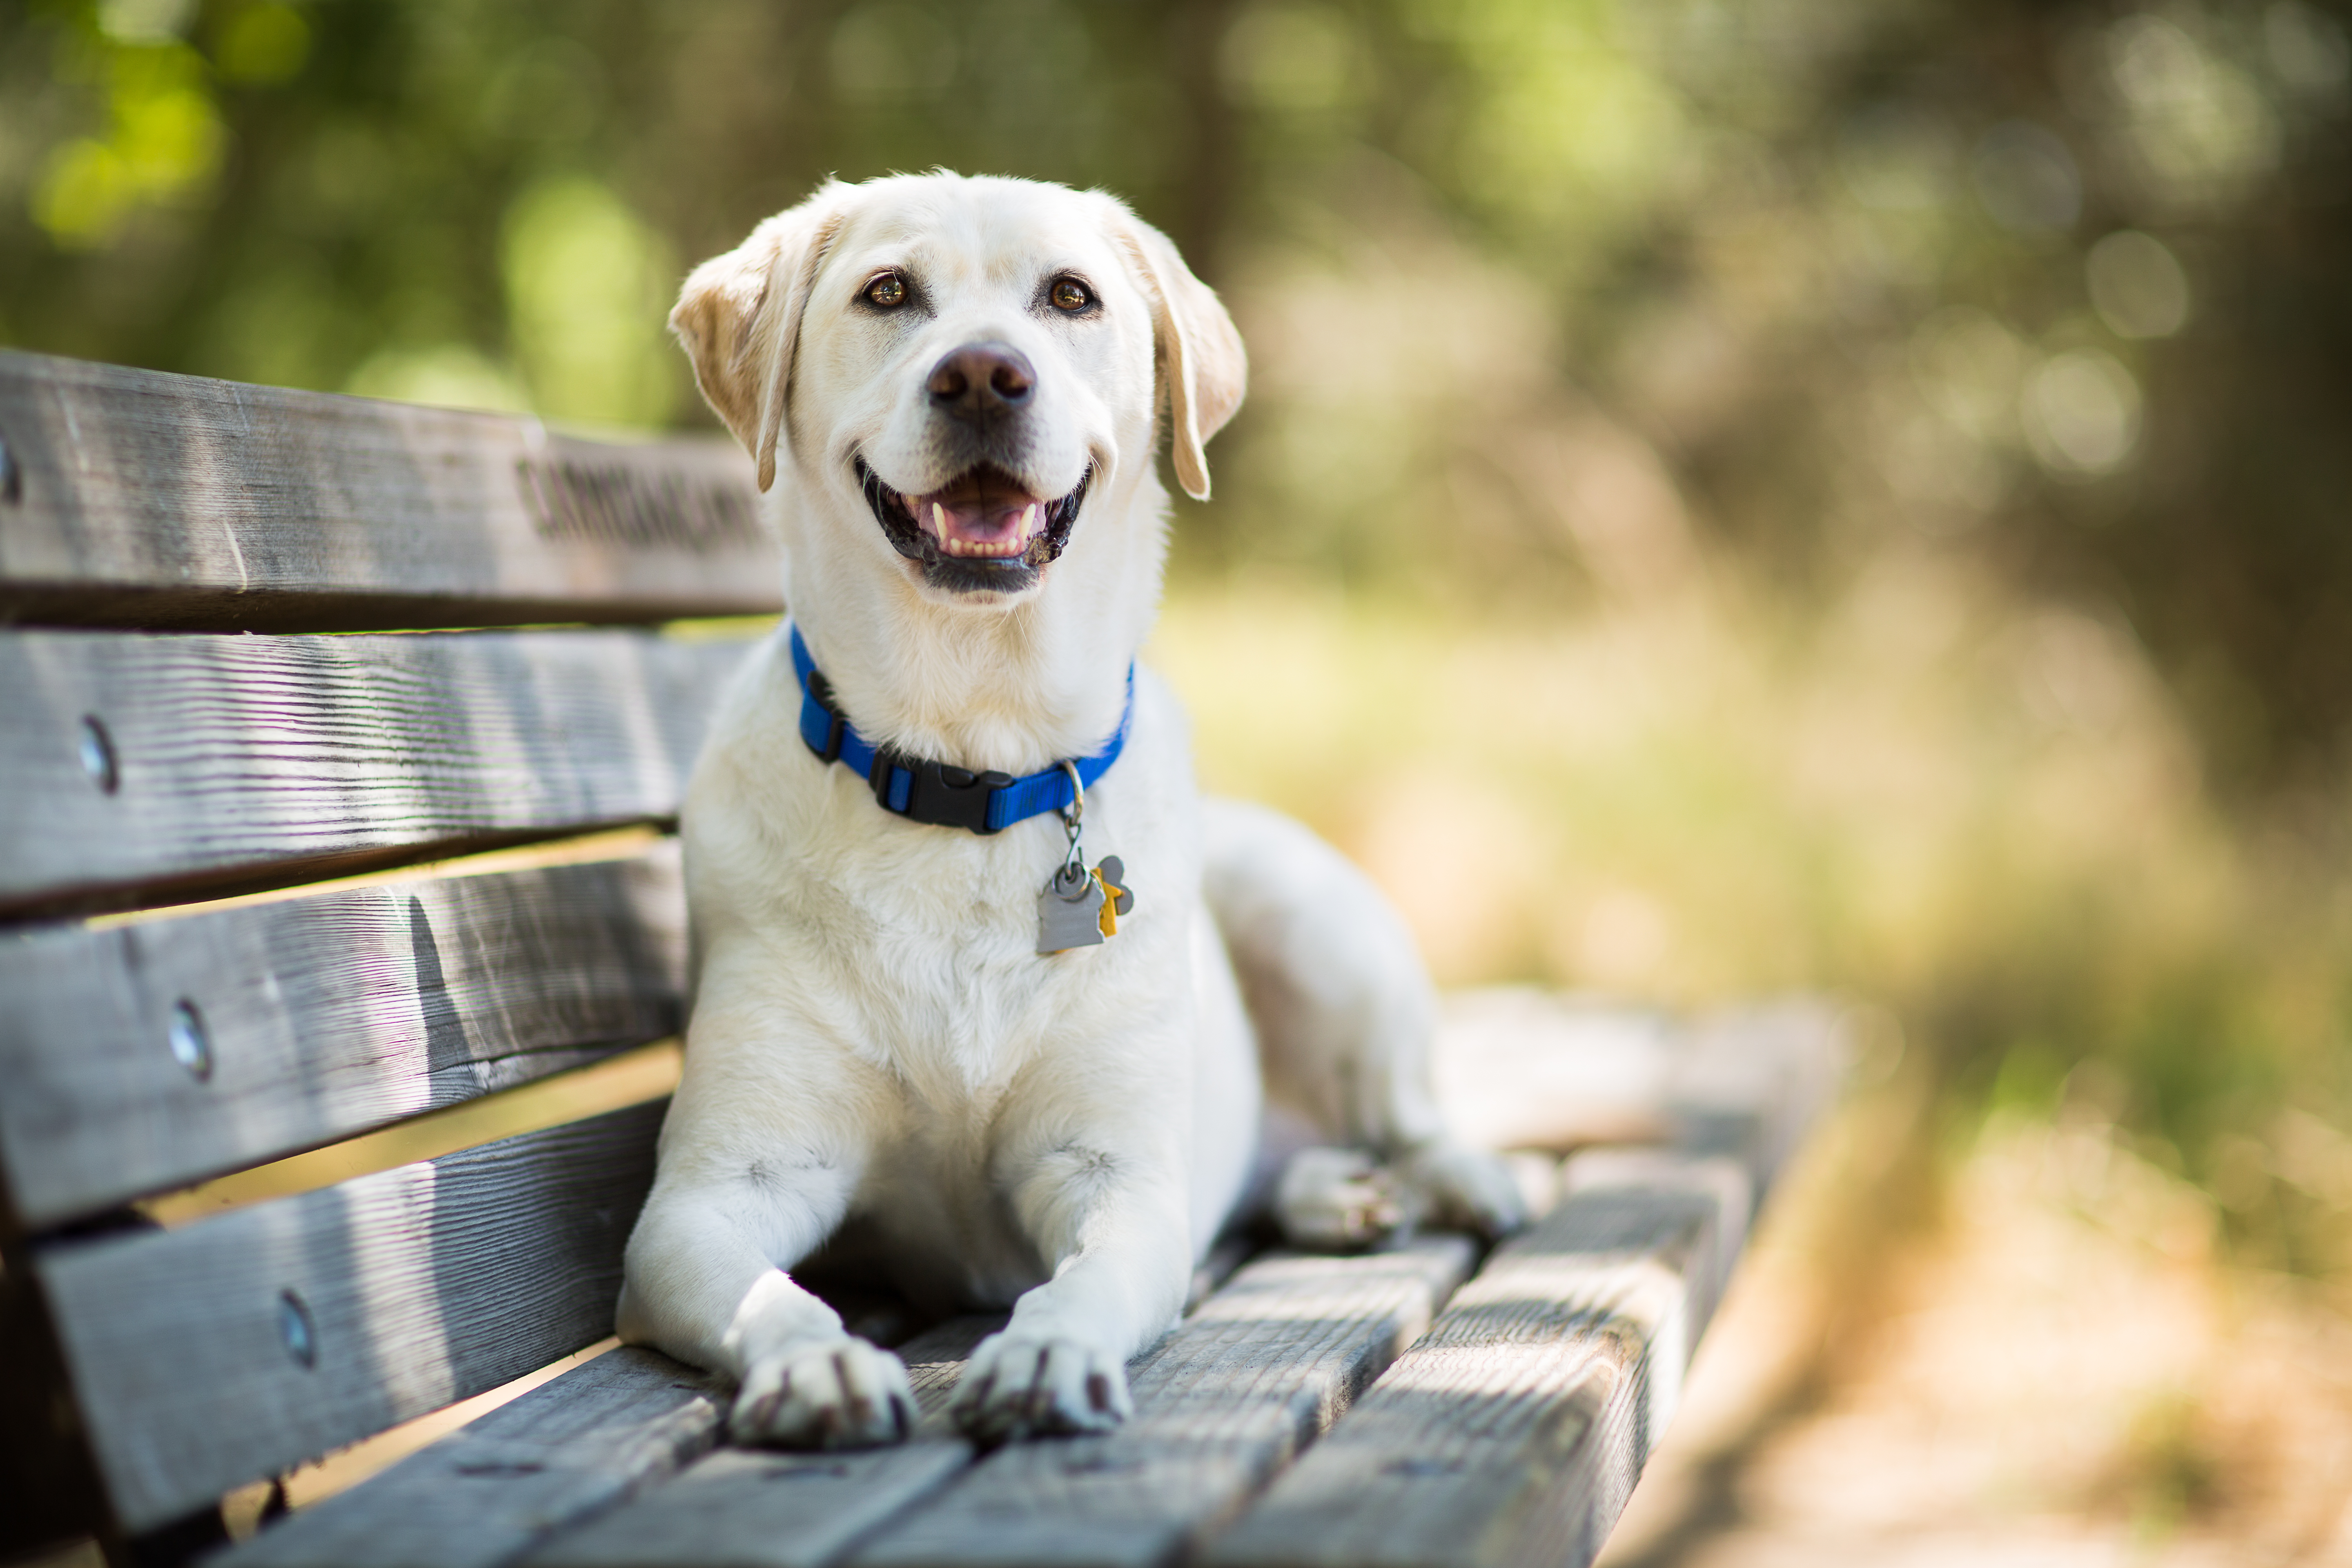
(1031,522)
(940,519)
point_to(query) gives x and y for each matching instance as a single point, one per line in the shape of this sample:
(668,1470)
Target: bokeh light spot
(2082,412)
(2137,286)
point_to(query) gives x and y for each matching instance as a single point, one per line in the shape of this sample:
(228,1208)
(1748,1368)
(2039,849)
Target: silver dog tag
(1069,912)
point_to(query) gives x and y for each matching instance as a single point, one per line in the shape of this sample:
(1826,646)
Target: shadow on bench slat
(598,1435)
(206,1357)
(742,1506)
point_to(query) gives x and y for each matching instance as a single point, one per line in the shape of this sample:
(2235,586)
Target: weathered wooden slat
(1514,1430)
(572,1448)
(1749,1082)
(1518,1067)
(137,762)
(204,1357)
(489,1491)
(129,497)
(1266,1365)
(743,1508)
(156,1054)
(152,1055)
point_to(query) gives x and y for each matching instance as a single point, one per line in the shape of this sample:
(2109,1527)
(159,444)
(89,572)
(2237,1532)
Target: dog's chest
(926,947)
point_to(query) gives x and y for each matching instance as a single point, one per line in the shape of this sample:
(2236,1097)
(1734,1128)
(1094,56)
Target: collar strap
(942,793)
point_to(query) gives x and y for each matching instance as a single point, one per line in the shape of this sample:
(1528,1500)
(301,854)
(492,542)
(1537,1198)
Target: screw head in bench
(294,1327)
(192,1047)
(12,479)
(97,756)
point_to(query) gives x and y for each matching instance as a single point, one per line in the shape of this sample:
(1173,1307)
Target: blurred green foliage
(2059,284)
(1737,313)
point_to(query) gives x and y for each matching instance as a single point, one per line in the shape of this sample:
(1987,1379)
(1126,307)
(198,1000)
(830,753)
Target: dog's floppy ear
(1199,351)
(739,317)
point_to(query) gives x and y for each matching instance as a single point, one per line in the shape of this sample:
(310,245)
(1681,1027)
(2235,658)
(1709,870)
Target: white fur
(875,1040)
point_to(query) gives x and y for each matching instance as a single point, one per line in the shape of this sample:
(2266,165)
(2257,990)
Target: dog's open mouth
(980,530)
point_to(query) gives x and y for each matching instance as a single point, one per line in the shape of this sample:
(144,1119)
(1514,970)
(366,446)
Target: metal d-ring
(1073,865)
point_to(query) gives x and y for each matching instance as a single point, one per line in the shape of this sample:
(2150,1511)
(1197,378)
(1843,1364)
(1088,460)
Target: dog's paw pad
(1016,1385)
(1335,1200)
(844,1394)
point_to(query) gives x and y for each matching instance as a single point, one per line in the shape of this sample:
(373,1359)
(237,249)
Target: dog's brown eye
(889,291)
(1069,294)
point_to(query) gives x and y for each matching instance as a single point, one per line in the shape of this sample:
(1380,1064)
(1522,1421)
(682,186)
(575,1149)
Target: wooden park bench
(339,982)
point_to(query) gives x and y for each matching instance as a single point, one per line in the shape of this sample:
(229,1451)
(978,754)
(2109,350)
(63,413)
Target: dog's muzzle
(980,531)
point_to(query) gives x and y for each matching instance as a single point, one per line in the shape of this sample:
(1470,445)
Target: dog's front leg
(1106,1208)
(758,1162)
(702,1284)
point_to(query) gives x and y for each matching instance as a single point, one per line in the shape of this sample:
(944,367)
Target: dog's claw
(1017,1386)
(843,1395)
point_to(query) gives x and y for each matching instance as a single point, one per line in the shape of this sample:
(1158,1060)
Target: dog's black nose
(981,381)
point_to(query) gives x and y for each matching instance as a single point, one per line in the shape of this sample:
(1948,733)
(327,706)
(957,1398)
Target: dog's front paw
(1462,1187)
(1019,1385)
(1336,1200)
(843,1394)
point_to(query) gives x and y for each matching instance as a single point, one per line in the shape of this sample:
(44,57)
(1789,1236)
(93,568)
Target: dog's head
(962,361)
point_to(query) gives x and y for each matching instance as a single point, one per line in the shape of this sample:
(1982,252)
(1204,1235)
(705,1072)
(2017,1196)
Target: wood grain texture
(1513,1432)
(412,1288)
(1266,1365)
(317,1018)
(571,1449)
(490,1490)
(749,1507)
(244,757)
(150,501)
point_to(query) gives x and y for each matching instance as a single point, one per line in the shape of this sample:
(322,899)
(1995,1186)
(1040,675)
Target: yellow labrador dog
(980,978)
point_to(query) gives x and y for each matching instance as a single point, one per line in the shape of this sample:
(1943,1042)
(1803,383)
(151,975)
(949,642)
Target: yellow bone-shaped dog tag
(1109,876)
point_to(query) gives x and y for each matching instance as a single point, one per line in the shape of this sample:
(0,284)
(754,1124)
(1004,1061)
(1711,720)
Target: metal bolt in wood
(97,756)
(192,1044)
(295,1329)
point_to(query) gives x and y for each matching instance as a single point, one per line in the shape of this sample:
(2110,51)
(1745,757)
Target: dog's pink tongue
(996,525)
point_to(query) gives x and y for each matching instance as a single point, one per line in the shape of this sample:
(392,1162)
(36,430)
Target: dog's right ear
(739,317)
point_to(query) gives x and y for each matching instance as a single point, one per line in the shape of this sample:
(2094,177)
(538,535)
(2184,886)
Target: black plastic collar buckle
(820,691)
(938,793)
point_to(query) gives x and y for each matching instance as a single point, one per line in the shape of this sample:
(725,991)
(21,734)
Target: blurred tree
(1562,286)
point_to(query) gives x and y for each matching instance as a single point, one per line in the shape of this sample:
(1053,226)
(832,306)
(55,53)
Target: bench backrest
(245,909)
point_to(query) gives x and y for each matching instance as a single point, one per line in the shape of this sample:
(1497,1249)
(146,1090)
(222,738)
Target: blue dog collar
(942,793)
